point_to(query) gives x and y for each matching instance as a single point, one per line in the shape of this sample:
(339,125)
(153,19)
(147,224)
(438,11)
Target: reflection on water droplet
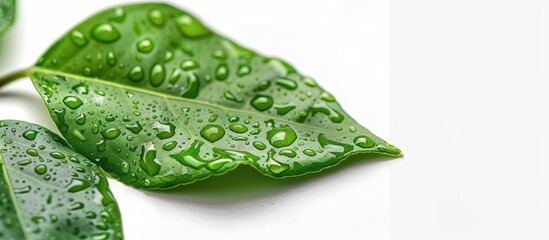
(135,128)
(145,46)
(30,134)
(281,136)
(222,72)
(57,155)
(105,33)
(164,130)
(136,74)
(78,38)
(338,149)
(309,152)
(149,162)
(77,185)
(111,133)
(259,145)
(212,132)
(157,17)
(191,27)
(309,82)
(111,59)
(169,145)
(238,128)
(244,70)
(327,97)
(81,88)
(275,166)
(262,102)
(286,83)
(288,153)
(40,169)
(364,142)
(158,73)
(72,102)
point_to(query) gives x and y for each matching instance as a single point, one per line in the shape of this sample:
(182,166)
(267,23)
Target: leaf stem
(5,80)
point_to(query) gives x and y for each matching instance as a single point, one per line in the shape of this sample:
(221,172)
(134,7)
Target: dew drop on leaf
(262,102)
(78,38)
(40,169)
(364,142)
(212,132)
(72,102)
(111,133)
(157,17)
(105,33)
(191,27)
(30,135)
(281,136)
(136,74)
(145,46)
(158,73)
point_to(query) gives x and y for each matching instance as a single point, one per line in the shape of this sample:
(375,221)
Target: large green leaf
(7,14)
(48,191)
(158,99)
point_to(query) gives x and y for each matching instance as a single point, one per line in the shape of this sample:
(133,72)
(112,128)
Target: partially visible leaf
(158,99)
(7,14)
(48,191)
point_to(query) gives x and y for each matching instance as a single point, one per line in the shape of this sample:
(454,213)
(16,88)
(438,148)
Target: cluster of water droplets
(59,193)
(162,90)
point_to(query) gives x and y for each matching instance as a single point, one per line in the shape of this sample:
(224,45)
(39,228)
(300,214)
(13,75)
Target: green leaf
(158,99)
(48,191)
(7,14)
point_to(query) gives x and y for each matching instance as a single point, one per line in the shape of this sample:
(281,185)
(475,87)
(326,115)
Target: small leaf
(48,191)
(158,99)
(7,14)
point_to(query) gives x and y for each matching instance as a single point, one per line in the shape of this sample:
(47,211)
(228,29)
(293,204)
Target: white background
(465,95)
(343,44)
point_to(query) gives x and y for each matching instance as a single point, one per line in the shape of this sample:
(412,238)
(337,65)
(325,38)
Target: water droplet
(111,133)
(149,162)
(338,149)
(309,152)
(24,162)
(364,142)
(105,33)
(80,119)
(244,70)
(190,157)
(286,83)
(259,145)
(263,85)
(232,97)
(40,169)
(169,145)
(30,134)
(175,75)
(118,15)
(390,149)
(222,72)
(234,119)
(193,86)
(81,88)
(275,166)
(284,109)
(158,73)
(238,128)
(288,153)
(262,102)
(157,17)
(327,97)
(213,118)
(32,152)
(135,128)
(281,136)
(212,132)
(145,46)
(57,155)
(164,130)
(20,190)
(77,185)
(111,59)
(78,38)
(72,102)
(136,74)
(309,82)
(191,27)
(189,65)
(125,167)
(101,146)
(352,129)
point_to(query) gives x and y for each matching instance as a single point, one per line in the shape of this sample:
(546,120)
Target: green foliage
(158,99)
(48,191)
(7,14)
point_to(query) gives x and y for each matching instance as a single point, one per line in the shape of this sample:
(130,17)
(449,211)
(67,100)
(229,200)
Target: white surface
(340,43)
(470,108)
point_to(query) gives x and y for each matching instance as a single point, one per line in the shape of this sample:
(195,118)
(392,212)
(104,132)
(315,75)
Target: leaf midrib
(177,98)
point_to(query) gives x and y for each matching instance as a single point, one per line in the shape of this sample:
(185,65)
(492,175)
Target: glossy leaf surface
(7,14)
(48,191)
(158,99)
